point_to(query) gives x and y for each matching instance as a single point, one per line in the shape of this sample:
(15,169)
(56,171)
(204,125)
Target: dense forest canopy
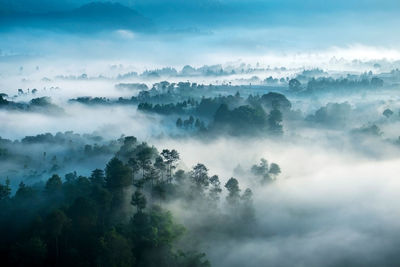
(120,210)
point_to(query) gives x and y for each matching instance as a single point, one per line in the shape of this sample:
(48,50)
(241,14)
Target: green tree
(144,158)
(199,176)
(135,166)
(139,200)
(24,192)
(127,150)
(262,170)
(160,165)
(232,185)
(387,113)
(274,169)
(275,122)
(98,177)
(171,157)
(179,123)
(215,189)
(54,184)
(294,85)
(116,250)
(118,175)
(247,209)
(31,252)
(55,223)
(5,190)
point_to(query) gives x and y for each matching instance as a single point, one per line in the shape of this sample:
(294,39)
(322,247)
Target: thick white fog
(335,202)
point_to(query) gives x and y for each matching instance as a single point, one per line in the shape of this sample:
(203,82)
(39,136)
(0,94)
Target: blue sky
(270,5)
(212,27)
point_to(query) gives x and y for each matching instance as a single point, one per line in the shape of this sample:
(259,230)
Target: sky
(193,32)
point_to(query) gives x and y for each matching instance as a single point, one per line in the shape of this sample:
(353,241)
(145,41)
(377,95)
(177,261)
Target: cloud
(125,34)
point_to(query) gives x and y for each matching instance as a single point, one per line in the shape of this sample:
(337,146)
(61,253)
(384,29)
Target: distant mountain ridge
(95,16)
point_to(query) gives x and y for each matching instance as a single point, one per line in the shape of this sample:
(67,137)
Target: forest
(121,210)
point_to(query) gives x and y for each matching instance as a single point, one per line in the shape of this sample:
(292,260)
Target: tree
(215,189)
(274,100)
(103,199)
(267,173)
(5,190)
(127,149)
(197,124)
(179,123)
(54,184)
(199,176)
(98,177)
(171,157)
(55,223)
(180,176)
(70,177)
(116,250)
(274,169)
(247,210)
(152,175)
(192,259)
(139,200)
(376,82)
(261,169)
(135,166)
(30,253)
(274,122)
(387,113)
(191,121)
(222,115)
(3,101)
(294,85)
(144,158)
(160,165)
(24,192)
(247,196)
(234,191)
(118,175)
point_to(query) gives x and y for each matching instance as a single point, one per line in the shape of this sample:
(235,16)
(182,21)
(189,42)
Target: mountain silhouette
(95,16)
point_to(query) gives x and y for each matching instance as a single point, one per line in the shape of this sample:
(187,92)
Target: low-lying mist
(314,152)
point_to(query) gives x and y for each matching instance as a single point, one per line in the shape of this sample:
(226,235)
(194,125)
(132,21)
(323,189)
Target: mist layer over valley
(199,133)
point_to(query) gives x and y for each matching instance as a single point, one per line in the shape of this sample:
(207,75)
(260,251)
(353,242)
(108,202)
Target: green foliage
(333,114)
(72,223)
(115,250)
(5,190)
(294,85)
(274,122)
(53,185)
(98,177)
(266,173)
(31,252)
(3,101)
(171,157)
(192,259)
(247,120)
(387,113)
(215,189)
(118,175)
(199,176)
(232,185)
(139,200)
(98,221)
